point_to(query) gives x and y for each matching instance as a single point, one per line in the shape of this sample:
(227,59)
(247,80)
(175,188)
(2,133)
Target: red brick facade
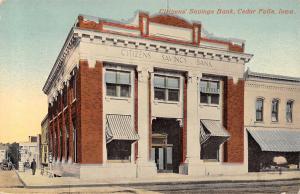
(234,120)
(90,109)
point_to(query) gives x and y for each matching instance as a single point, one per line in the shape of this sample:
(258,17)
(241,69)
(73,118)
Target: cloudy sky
(33,31)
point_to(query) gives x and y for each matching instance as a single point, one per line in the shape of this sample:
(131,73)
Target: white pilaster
(145,167)
(193,164)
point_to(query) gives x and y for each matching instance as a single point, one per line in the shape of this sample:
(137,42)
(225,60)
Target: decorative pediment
(171,20)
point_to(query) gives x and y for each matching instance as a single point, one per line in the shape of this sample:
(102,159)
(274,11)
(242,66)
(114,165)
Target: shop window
(209,92)
(118,83)
(274,116)
(289,111)
(259,109)
(166,88)
(209,152)
(119,150)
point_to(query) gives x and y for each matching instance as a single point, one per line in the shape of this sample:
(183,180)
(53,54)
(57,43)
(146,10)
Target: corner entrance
(166,148)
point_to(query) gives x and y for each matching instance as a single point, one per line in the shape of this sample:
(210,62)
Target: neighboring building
(272,119)
(3,152)
(156,94)
(44,152)
(29,150)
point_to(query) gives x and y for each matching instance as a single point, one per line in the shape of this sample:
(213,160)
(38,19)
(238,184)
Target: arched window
(259,109)
(275,105)
(289,111)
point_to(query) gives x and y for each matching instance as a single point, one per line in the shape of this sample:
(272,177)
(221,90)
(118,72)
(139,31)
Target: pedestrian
(33,166)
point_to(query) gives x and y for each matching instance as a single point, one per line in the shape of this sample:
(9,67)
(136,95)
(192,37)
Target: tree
(13,153)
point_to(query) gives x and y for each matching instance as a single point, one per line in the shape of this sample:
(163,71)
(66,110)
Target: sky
(32,32)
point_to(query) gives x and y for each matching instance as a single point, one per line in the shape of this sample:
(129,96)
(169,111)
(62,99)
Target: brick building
(154,94)
(272,122)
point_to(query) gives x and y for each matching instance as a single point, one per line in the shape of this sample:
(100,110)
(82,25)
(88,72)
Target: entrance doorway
(166,144)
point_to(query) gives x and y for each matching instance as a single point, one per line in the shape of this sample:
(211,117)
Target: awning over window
(276,140)
(213,131)
(118,127)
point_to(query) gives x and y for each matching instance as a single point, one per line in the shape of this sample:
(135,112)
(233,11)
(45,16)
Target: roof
(118,127)
(276,139)
(271,77)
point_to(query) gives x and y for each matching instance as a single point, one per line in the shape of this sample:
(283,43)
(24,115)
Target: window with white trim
(209,91)
(259,106)
(166,88)
(289,111)
(274,116)
(118,83)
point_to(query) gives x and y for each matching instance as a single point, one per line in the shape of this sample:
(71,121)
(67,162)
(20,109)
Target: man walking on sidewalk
(33,166)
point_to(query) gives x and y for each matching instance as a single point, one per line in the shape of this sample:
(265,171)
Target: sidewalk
(39,181)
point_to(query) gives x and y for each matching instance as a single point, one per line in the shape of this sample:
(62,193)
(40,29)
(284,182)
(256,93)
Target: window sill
(118,161)
(209,105)
(109,98)
(166,102)
(274,122)
(214,161)
(259,122)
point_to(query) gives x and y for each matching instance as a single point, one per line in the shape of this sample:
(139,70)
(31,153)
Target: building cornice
(162,46)
(71,42)
(271,78)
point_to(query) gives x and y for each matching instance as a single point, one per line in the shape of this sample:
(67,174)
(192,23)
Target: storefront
(272,122)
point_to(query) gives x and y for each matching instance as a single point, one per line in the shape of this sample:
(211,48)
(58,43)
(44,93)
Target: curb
(162,183)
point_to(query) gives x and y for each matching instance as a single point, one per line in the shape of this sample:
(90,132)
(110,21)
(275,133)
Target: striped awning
(276,139)
(119,127)
(210,129)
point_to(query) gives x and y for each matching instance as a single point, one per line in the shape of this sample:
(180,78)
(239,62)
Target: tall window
(259,109)
(275,103)
(117,83)
(166,88)
(289,111)
(65,96)
(74,140)
(73,87)
(60,143)
(209,92)
(67,138)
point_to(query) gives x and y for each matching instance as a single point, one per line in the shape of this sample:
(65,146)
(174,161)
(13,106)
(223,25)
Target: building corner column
(145,167)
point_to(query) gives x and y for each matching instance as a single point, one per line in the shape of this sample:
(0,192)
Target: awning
(276,140)
(214,131)
(118,127)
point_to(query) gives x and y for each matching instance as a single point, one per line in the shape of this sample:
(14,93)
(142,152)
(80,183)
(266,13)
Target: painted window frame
(289,111)
(210,93)
(165,88)
(118,85)
(261,111)
(276,112)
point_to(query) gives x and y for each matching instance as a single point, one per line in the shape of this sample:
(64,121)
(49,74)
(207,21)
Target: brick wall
(90,109)
(234,120)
